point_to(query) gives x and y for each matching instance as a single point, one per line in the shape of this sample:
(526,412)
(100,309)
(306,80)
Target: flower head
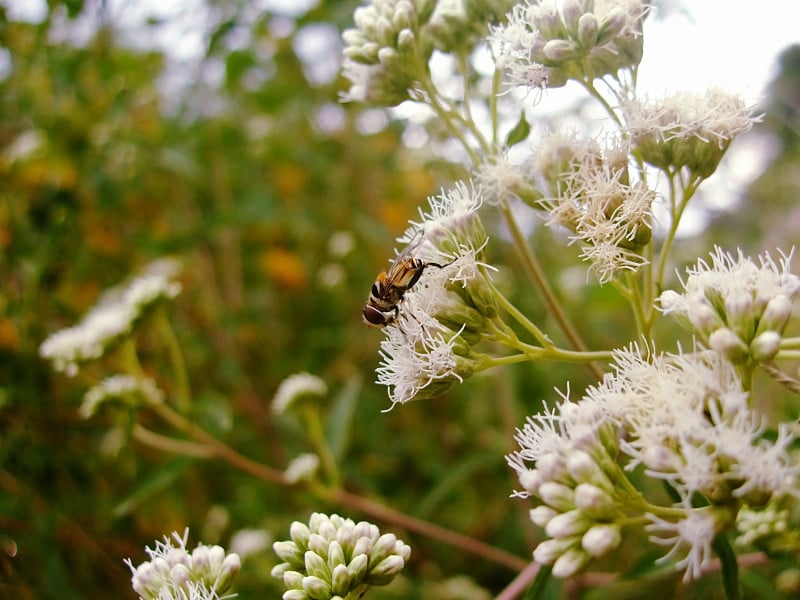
(737,306)
(126,388)
(593,197)
(333,557)
(692,535)
(428,346)
(296,387)
(107,324)
(383,52)
(173,573)
(544,44)
(686,129)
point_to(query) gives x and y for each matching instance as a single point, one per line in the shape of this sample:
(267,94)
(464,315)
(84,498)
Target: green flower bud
(290,552)
(340,580)
(293,579)
(357,569)
(740,316)
(316,588)
(385,571)
(316,566)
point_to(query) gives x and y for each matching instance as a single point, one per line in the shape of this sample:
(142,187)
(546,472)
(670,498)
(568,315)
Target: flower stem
(535,273)
(341,496)
(730,568)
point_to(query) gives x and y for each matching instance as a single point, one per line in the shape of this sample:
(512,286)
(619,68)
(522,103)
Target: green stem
(536,590)
(512,310)
(730,568)
(535,273)
(688,189)
(183,393)
(319,442)
(343,497)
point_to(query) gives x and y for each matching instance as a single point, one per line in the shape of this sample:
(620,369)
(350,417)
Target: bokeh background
(120,144)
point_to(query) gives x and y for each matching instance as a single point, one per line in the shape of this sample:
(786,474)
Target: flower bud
(297,594)
(569,563)
(340,580)
(765,346)
(594,502)
(703,318)
(557,495)
(776,314)
(288,551)
(316,588)
(567,524)
(729,345)
(531,479)
(548,551)
(315,565)
(357,568)
(542,514)
(385,570)
(560,50)
(740,316)
(601,539)
(611,25)
(588,28)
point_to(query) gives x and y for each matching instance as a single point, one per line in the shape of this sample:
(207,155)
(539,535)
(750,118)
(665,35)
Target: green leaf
(520,131)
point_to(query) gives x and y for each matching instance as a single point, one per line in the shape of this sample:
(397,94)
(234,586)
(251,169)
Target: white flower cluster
(546,43)
(173,573)
(590,194)
(738,307)
(381,51)
(428,347)
(295,387)
(332,557)
(106,324)
(126,388)
(687,420)
(687,129)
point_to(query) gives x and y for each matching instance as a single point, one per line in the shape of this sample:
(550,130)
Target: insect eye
(373,316)
(376,289)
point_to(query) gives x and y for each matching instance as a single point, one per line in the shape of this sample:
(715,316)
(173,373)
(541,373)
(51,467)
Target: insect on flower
(383,305)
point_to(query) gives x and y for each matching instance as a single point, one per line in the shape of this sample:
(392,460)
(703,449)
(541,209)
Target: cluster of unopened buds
(333,558)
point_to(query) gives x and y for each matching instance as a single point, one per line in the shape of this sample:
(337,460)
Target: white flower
(736,304)
(172,573)
(297,386)
(425,349)
(246,542)
(547,43)
(687,129)
(594,199)
(692,535)
(106,324)
(120,387)
(301,468)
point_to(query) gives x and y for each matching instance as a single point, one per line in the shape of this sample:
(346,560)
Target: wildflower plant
(690,419)
(680,447)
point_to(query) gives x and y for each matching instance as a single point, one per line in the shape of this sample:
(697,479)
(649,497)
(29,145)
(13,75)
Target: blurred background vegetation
(281,205)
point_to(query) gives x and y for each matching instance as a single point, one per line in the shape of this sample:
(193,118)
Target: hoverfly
(383,305)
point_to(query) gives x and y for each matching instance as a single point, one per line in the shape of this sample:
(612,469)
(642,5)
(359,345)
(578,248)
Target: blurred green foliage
(102,172)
